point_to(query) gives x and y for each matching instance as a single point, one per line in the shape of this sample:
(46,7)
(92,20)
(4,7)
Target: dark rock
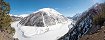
(16,39)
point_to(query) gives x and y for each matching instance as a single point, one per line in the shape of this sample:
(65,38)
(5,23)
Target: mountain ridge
(45,16)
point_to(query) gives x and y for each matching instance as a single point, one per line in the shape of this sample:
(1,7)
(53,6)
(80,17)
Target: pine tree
(5,18)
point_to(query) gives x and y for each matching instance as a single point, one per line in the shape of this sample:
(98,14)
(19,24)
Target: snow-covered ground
(40,33)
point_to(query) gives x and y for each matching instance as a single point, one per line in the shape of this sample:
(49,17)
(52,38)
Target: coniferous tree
(5,18)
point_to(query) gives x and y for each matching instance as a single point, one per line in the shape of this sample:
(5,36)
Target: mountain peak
(43,17)
(49,11)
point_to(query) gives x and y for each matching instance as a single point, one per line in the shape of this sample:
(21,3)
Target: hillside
(89,22)
(99,35)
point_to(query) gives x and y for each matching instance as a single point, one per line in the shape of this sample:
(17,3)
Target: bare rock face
(43,17)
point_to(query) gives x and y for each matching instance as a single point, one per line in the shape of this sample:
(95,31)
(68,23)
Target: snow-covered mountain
(76,17)
(14,18)
(44,24)
(18,17)
(22,15)
(43,17)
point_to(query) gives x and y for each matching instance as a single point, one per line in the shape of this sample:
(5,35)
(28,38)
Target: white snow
(22,15)
(29,31)
(40,33)
(49,11)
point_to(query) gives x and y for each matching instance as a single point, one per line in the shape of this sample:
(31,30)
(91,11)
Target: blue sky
(65,7)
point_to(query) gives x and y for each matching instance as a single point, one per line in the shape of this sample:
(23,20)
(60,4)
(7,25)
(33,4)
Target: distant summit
(43,17)
(18,17)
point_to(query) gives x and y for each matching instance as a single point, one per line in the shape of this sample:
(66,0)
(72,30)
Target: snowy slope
(31,33)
